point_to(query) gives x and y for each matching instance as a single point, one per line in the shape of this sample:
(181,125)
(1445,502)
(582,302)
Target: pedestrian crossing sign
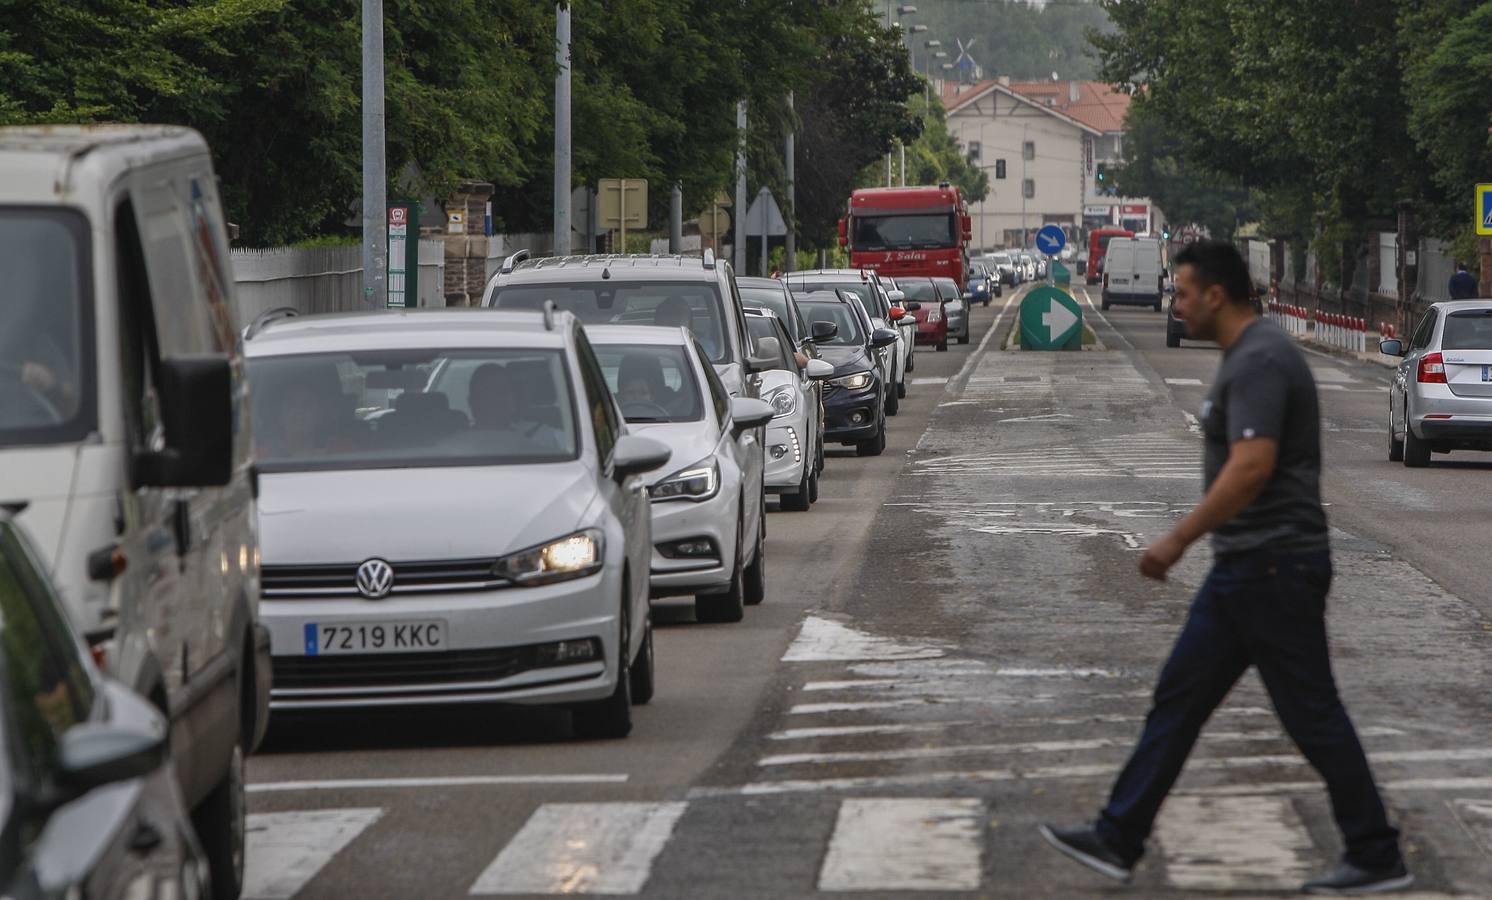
(1484,209)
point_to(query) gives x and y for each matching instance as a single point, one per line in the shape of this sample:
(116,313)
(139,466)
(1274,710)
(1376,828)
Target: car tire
(728,605)
(610,718)
(644,667)
(874,446)
(818,461)
(222,828)
(1173,339)
(755,576)
(943,346)
(1157,307)
(813,489)
(800,500)
(1416,451)
(1103,305)
(893,400)
(963,338)
(911,362)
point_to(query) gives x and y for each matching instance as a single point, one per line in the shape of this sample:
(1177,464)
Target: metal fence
(319,279)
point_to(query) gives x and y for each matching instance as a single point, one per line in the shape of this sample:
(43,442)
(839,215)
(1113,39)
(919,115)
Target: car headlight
(697,482)
(854,382)
(573,556)
(782,400)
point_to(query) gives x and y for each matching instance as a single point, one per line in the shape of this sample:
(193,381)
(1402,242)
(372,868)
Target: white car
(451,511)
(795,438)
(709,510)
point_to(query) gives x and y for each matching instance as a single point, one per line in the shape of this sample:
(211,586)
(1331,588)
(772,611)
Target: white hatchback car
(451,511)
(709,515)
(795,438)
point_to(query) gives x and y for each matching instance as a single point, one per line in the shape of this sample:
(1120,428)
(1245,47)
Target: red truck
(1098,245)
(907,231)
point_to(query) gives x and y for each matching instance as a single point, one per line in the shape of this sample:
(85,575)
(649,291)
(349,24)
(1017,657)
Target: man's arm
(1249,467)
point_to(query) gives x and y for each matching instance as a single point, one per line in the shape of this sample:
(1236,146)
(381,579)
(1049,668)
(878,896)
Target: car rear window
(412,408)
(694,304)
(1468,330)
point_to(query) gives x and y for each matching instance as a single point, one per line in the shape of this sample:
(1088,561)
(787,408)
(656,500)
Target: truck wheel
(222,823)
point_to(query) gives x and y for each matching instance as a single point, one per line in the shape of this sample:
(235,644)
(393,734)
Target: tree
(1156,166)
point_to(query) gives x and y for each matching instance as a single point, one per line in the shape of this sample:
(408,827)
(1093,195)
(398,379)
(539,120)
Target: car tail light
(1431,369)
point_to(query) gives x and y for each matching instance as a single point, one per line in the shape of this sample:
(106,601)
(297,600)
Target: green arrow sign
(1051,320)
(1060,274)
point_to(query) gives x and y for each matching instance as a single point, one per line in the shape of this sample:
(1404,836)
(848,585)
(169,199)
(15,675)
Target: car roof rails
(511,262)
(708,259)
(264,319)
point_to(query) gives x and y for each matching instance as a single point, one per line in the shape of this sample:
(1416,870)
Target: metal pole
(790,261)
(375,185)
(676,219)
(903,148)
(562,242)
(1024,236)
(888,170)
(740,214)
(622,214)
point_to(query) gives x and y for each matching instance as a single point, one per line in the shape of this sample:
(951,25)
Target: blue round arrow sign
(1050,240)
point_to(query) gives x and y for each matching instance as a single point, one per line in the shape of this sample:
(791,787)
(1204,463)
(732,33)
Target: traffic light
(1103,178)
(1165,231)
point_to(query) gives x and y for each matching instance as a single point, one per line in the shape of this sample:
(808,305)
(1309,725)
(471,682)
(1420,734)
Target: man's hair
(1218,263)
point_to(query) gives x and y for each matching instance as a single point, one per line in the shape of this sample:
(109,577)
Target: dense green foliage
(275,85)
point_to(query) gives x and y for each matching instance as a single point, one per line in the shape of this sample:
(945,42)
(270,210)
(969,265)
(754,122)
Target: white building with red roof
(1044,145)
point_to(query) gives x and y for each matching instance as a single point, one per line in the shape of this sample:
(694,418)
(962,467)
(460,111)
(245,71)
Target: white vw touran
(709,521)
(450,512)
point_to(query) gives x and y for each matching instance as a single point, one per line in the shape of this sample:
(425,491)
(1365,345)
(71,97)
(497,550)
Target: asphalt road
(956,646)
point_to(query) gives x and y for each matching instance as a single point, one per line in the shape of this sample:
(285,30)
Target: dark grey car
(89,802)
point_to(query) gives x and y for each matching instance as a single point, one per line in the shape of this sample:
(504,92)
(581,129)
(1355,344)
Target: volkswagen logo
(375,578)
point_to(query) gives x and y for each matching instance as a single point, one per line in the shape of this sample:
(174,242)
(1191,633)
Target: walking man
(1462,285)
(1264,601)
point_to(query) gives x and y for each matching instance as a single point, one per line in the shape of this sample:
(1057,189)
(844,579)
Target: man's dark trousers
(1265,609)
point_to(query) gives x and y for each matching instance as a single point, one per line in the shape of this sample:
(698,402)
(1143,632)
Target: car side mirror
(755,365)
(882,337)
(635,454)
(818,370)
(824,331)
(747,413)
(196,404)
(91,755)
(896,313)
(1391,347)
(896,296)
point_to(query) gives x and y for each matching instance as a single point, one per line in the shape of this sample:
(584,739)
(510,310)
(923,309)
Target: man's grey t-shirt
(1265,389)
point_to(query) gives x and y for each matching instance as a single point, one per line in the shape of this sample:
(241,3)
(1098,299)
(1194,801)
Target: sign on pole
(1051,320)
(1484,209)
(1050,240)
(623,204)
(404,257)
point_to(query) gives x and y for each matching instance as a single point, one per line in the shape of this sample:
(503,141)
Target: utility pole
(375,185)
(740,211)
(676,219)
(790,261)
(1024,236)
(562,245)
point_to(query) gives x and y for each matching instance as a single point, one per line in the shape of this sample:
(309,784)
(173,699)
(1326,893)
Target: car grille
(340,580)
(401,669)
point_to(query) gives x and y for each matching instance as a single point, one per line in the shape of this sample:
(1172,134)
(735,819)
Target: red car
(929,309)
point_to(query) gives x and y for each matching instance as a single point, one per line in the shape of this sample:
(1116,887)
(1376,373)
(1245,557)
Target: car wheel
(876,445)
(1416,451)
(756,573)
(643,667)
(1103,305)
(818,459)
(799,500)
(893,400)
(728,605)
(612,717)
(1395,443)
(222,824)
(963,338)
(813,489)
(943,345)
(1157,306)
(1173,339)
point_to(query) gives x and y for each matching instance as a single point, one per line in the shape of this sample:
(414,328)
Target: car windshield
(1468,330)
(947,287)
(694,304)
(869,301)
(412,408)
(925,230)
(919,289)
(46,392)
(850,334)
(652,383)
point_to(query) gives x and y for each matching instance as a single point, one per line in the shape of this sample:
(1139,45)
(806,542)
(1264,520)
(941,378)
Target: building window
(999,168)
(974,151)
(1028,150)
(1028,188)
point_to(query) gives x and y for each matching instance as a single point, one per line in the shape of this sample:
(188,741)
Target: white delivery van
(124,441)
(1133,273)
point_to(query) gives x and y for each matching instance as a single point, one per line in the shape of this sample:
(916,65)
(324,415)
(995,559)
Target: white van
(1133,273)
(124,444)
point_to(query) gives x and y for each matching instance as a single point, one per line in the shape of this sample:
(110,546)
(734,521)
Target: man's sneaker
(1347,880)
(1084,845)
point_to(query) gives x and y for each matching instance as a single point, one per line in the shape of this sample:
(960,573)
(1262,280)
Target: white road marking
(831,731)
(978,353)
(824,640)
(1476,817)
(1331,387)
(906,844)
(453,781)
(1040,773)
(1184,382)
(582,848)
(916,381)
(809,709)
(1192,425)
(1057,672)
(1105,320)
(285,850)
(1296,787)
(1131,540)
(799,759)
(1234,843)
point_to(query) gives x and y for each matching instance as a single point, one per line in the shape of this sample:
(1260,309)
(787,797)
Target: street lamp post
(375,183)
